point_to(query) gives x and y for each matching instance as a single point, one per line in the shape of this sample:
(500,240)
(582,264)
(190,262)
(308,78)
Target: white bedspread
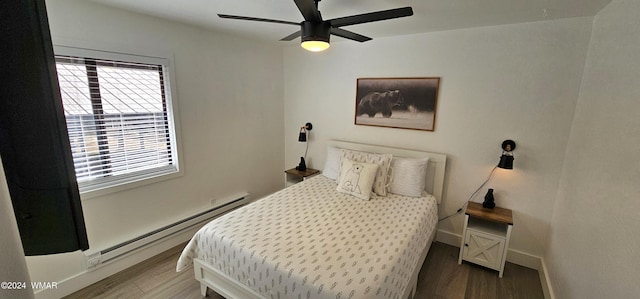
(310,241)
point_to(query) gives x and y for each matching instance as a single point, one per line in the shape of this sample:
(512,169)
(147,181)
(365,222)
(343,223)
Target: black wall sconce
(303,132)
(302,137)
(506,160)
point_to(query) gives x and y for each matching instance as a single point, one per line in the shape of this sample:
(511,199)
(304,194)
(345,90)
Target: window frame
(122,182)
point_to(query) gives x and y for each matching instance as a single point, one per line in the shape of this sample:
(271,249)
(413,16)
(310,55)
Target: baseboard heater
(104,256)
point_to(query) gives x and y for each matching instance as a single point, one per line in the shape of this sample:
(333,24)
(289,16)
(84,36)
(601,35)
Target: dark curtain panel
(34,144)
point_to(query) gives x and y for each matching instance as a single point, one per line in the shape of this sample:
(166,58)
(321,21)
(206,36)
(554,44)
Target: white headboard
(435,168)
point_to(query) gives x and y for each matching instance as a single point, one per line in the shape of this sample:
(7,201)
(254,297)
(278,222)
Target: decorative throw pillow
(332,163)
(408,176)
(356,178)
(383,161)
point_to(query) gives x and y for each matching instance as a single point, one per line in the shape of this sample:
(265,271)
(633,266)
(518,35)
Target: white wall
(593,244)
(13,266)
(515,82)
(230,102)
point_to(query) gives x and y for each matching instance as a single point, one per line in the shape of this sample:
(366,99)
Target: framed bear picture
(406,103)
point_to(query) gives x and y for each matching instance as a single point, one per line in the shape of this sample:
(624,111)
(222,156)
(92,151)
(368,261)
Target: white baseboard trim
(524,259)
(88,277)
(448,238)
(513,256)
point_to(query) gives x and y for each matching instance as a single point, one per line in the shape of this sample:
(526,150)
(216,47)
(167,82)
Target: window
(118,118)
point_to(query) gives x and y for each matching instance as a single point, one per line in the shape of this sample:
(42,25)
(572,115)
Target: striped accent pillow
(408,176)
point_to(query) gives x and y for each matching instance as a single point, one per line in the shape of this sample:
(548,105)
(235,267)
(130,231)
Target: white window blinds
(117,120)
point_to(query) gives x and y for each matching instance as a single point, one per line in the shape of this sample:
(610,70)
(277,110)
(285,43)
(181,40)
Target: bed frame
(227,287)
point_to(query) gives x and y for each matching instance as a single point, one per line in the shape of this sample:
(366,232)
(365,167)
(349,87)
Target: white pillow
(356,178)
(332,163)
(408,176)
(383,161)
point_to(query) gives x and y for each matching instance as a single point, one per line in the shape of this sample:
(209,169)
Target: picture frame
(405,103)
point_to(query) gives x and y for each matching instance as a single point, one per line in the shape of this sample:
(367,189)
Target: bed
(311,241)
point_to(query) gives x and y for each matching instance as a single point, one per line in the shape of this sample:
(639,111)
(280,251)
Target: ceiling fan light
(315,36)
(315,45)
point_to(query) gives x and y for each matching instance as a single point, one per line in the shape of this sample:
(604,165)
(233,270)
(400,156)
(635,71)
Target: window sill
(97,191)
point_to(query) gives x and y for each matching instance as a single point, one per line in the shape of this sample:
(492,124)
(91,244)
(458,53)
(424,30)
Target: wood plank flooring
(440,277)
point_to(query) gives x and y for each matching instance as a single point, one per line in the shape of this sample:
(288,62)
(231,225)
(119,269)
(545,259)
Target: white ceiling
(429,15)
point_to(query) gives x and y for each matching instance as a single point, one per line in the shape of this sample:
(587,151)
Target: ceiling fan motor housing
(315,31)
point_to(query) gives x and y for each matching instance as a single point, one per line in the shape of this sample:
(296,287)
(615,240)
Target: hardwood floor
(440,277)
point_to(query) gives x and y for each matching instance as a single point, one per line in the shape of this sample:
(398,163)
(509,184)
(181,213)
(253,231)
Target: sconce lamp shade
(303,132)
(506,160)
(303,136)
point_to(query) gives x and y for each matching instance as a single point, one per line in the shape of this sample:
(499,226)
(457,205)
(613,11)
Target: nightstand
(294,176)
(486,236)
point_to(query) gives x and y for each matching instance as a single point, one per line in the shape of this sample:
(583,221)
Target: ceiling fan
(315,32)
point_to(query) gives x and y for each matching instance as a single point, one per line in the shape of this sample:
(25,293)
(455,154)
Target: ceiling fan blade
(292,36)
(372,17)
(309,10)
(257,19)
(348,34)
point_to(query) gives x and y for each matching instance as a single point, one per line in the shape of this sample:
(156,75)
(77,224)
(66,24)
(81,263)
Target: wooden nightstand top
(496,214)
(305,173)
